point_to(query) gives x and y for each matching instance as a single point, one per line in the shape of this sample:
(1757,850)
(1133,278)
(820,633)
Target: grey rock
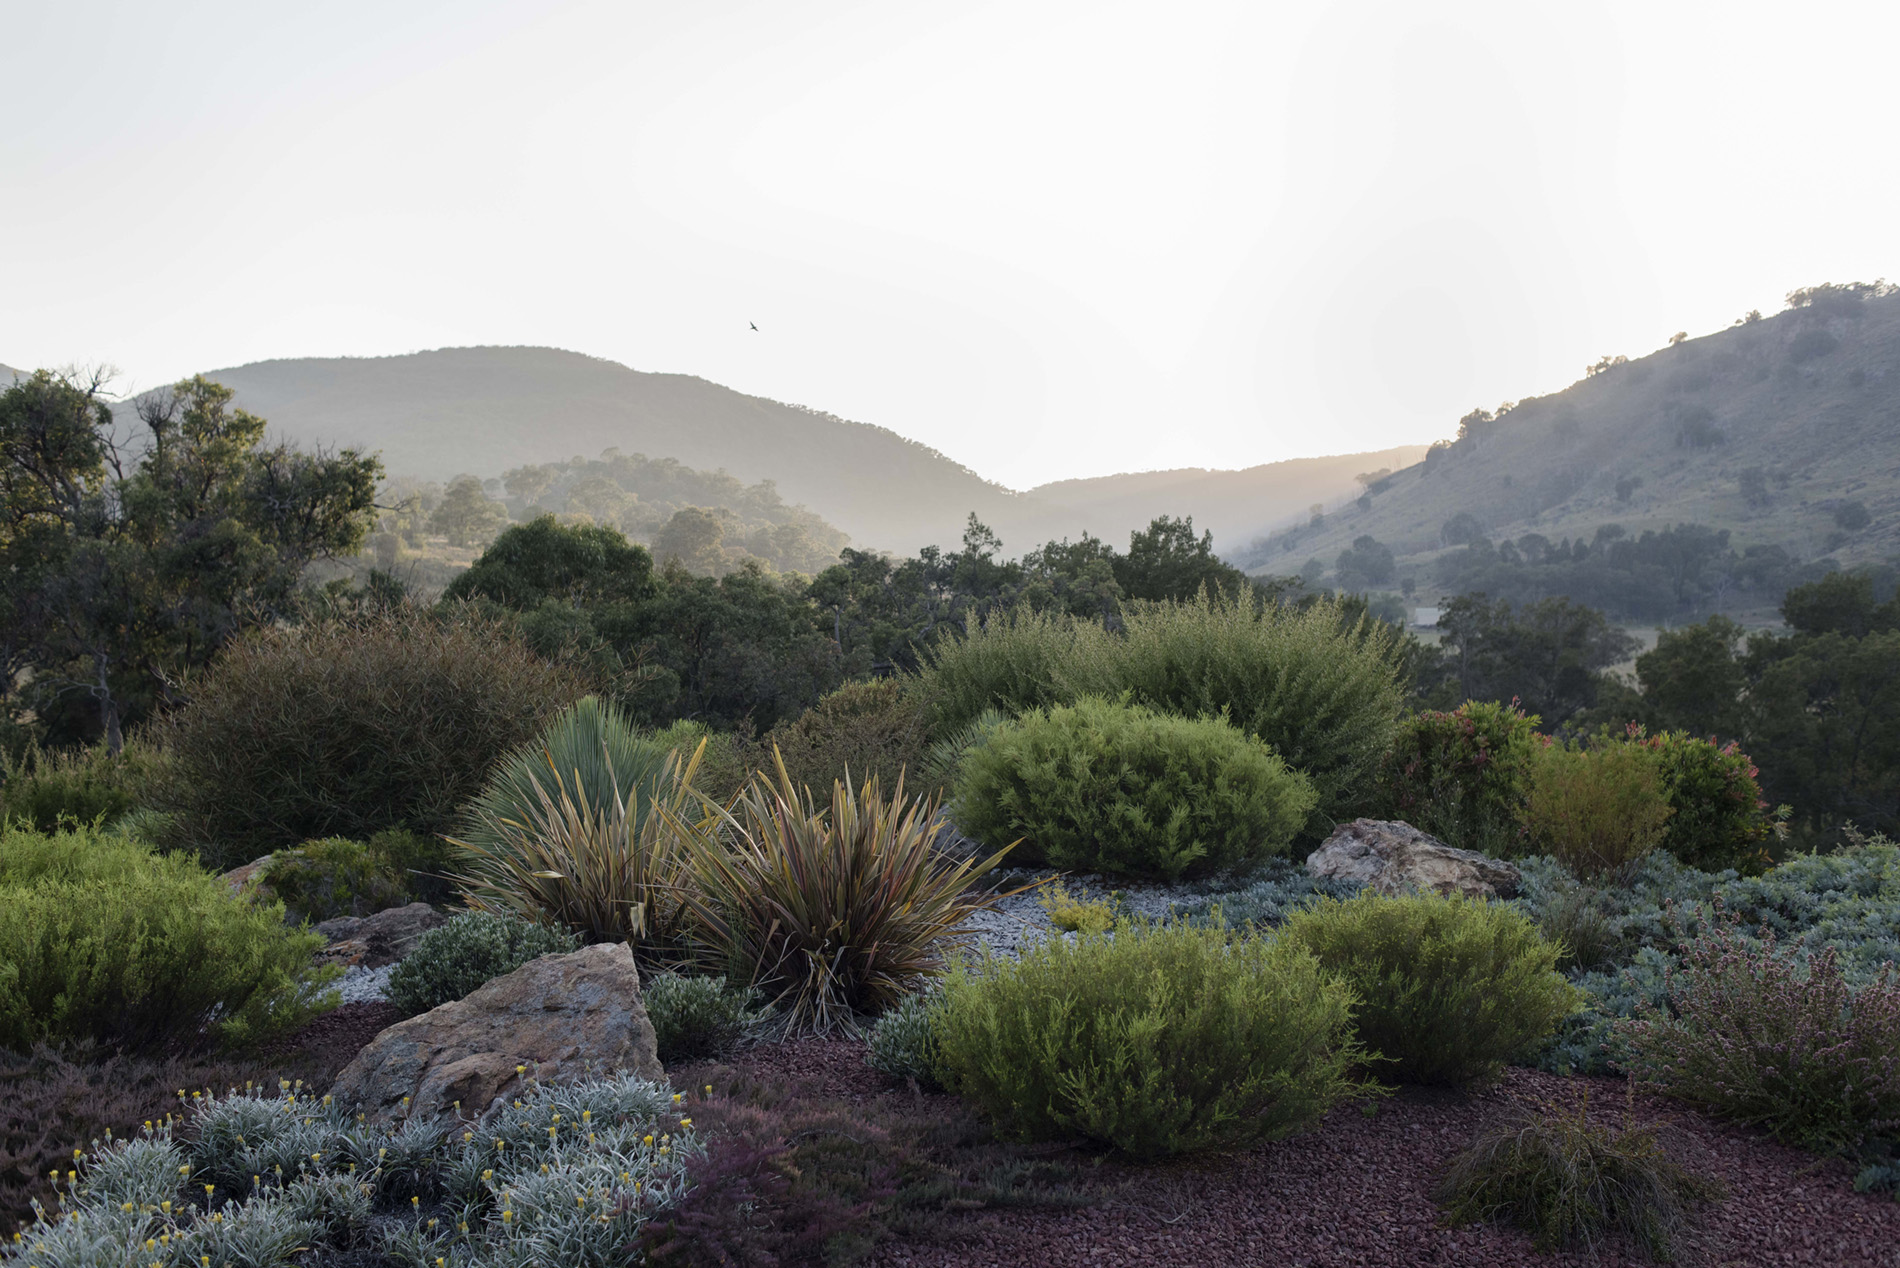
(373,941)
(1392,857)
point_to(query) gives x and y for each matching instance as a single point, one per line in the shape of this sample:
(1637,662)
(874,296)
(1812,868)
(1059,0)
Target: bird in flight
(753,324)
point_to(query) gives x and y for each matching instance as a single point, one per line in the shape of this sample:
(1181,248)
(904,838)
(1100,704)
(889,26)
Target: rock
(246,879)
(373,941)
(560,1015)
(1394,858)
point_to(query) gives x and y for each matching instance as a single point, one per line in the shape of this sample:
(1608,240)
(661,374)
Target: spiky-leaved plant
(832,911)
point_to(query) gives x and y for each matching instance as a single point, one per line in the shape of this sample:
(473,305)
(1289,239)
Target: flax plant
(607,867)
(832,911)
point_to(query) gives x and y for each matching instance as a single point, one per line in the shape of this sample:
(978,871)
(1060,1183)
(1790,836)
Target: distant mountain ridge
(487,410)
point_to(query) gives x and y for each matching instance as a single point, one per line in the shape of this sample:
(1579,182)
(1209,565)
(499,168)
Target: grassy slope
(1551,465)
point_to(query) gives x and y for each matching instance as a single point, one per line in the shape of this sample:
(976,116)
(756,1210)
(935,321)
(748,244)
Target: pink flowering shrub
(1764,1036)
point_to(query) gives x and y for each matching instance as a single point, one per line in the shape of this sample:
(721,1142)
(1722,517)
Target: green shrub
(347,727)
(1565,1181)
(833,910)
(1717,818)
(1077,913)
(456,958)
(724,768)
(424,863)
(1462,776)
(43,790)
(1449,988)
(944,758)
(697,1017)
(1772,1038)
(903,1043)
(104,939)
(1158,1040)
(1103,787)
(862,729)
(333,877)
(1318,686)
(1597,810)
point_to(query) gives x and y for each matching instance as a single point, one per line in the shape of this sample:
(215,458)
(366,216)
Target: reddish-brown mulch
(1354,1191)
(333,1039)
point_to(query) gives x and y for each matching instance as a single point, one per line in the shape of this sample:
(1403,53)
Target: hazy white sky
(1050,239)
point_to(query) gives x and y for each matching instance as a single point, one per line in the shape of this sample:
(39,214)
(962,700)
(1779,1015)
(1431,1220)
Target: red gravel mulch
(1354,1191)
(331,1040)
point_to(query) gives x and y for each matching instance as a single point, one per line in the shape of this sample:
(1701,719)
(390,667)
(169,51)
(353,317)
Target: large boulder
(560,1015)
(379,939)
(1391,857)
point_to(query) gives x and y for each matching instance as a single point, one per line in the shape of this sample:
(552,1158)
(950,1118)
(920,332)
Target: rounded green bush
(103,939)
(1449,988)
(695,1017)
(333,877)
(1463,776)
(1104,787)
(454,959)
(1158,1039)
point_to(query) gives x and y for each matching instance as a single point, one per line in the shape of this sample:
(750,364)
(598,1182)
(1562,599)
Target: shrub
(904,1042)
(612,872)
(1566,1180)
(1159,1040)
(1462,776)
(723,765)
(944,758)
(1317,684)
(456,958)
(42,790)
(333,877)
(1717,818)
(105,940)
(423,862)
(1762,1037)
(1074,913)
(1598,810)
(1117,788)
(832,912)
(1449,988)
(862,729)
(697,1017)
(347,727)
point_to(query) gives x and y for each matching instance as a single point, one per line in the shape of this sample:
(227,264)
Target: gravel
(362,986)
(1019,921)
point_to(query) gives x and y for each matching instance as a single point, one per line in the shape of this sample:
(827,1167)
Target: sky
(1049,239)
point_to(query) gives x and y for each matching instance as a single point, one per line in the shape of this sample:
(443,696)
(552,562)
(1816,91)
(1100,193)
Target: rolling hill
(1772,430)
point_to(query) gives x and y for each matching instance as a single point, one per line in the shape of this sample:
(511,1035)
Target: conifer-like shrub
(903,1043)
(1462,776)
(1104,787)
(1317,684)
(1156,1040)
(103,939)
(1567,1181)
(1773,1038)
(333,877)
(861,730)
(455,958)
(350,726)
(698,1017)
(1597,810)
(1449,988)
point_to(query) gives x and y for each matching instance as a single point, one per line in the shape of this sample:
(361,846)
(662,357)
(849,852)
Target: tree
(1852,516)
(1549,655)
(467,515)
(694,539)
(134,557)
(1166,561)
(585,565)
(1461,529)
(1693,679)
(1678,337)
(1368,563)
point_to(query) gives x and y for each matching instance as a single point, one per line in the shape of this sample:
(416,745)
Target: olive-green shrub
(724,765)
(1597,810)
(1104,787)
(862,729)
(333,877)
(1462,776)
(1156,1040)
(42,790)
(455,958)
(1449,988)
(350,726)
(697,1017)
(424,862)
(1318,684)
(103,939)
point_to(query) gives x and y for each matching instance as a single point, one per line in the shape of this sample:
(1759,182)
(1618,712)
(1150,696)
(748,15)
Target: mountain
(1777,430)
(487,410)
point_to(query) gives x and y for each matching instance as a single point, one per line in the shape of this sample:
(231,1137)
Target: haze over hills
(1770,429)
(487,410)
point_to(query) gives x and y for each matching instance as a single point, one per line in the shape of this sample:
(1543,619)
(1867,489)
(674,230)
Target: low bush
(698,1017)
(1274,891)
(1462,776)
(724,765)
(1717,818)
(333,877)
(1158,1040)
(1103,787)
(104,939)
(903,1043)
(1774,1039)
(423,862)
(861,730)
(347,727)
(455,958)
(833,911)
(1076,913)
(1599,810)
(565,1175)
(43,790)
(1567,1181)
(1449,988)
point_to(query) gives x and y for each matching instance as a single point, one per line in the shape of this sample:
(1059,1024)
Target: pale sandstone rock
(1392,857)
